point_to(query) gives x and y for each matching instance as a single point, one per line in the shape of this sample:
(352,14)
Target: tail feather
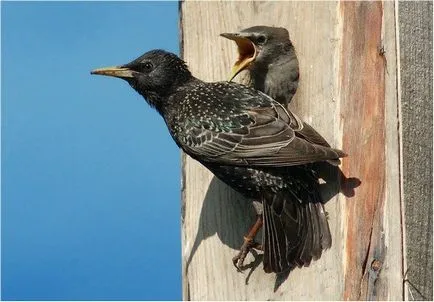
(316,240)
(296,229)
(326,237)
(274,243)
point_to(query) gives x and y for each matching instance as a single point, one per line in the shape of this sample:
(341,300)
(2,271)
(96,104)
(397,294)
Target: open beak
(246,49)
(114,71)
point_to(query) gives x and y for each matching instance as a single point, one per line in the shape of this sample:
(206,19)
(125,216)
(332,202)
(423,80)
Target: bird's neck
(277,78)
(167,101)
(278,61)
(278,55)
(162,99)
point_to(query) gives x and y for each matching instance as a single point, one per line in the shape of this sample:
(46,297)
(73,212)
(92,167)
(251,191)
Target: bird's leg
(249,243)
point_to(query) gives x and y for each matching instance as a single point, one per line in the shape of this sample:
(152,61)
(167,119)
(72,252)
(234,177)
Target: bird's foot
(248,245)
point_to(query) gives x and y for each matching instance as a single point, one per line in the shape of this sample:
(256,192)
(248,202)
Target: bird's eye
(261,40)
(147,67)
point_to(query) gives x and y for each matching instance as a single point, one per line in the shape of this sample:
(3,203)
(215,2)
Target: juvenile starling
(270,58)
(246,139)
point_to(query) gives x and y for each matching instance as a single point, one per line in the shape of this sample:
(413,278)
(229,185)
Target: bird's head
(155,74)
(258,46)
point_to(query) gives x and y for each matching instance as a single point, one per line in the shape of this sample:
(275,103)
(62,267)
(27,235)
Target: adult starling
(246,139)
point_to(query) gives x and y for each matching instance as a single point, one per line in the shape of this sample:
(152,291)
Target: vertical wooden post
(416,57)
(348,91)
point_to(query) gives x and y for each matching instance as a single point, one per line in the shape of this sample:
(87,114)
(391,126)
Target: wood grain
(363,97)
(345,93)
(416,57)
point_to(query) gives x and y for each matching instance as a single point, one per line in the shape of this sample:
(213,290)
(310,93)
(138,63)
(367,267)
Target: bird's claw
(247,246)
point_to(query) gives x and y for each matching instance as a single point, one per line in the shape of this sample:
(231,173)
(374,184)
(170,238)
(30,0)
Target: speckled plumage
(246,139)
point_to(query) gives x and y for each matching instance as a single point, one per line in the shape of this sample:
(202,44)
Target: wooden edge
(401,152)
(183,156)
(394,198)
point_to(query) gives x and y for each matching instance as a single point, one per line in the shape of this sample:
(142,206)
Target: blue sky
(90,175)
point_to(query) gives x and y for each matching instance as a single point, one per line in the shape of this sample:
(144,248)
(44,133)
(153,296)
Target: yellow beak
(247,52)
(114,71)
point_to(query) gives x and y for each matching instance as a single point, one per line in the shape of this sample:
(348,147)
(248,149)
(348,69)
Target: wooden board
(348,93)
(416,54)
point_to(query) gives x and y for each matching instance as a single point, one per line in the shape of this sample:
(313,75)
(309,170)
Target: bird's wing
(261,135)
(310,134)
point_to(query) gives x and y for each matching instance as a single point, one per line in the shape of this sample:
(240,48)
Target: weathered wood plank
(362,97)
(370,137)
(416,49)
(215,218)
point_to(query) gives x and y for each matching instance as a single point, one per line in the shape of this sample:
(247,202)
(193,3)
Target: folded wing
(259,133)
